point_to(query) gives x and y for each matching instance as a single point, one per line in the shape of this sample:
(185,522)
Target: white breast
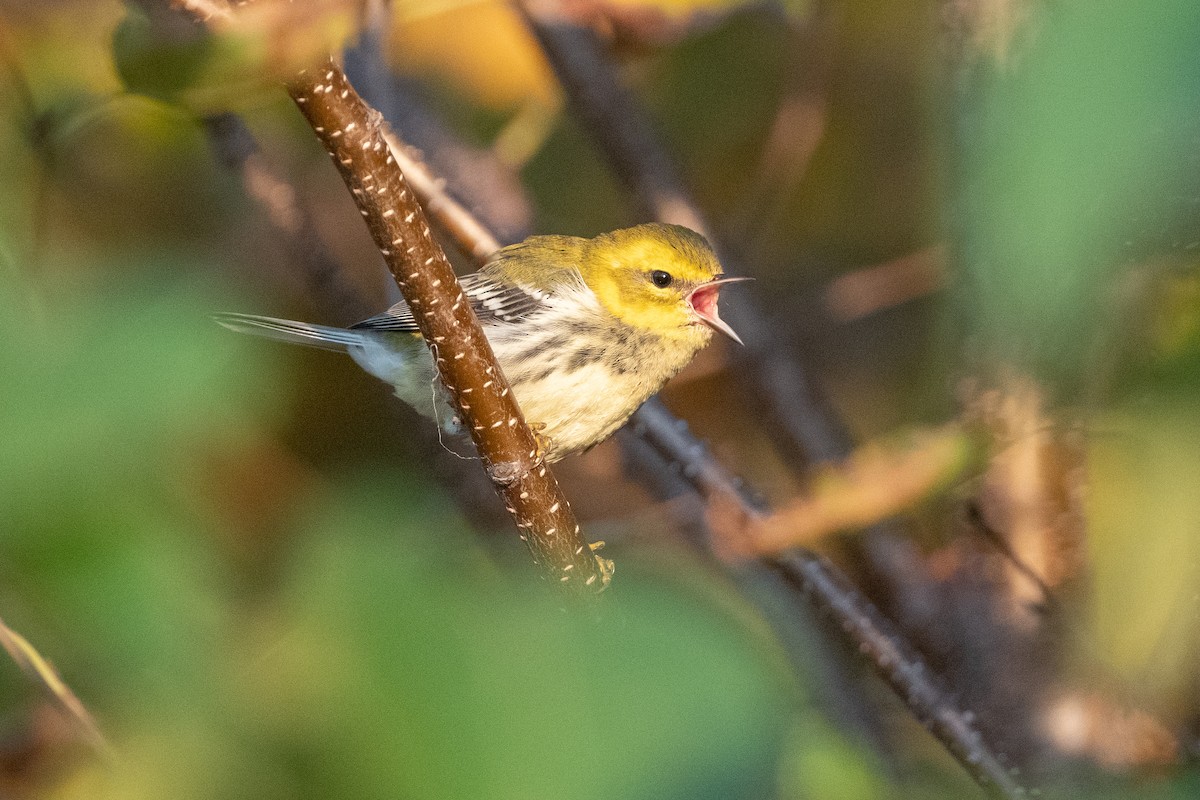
(577,400)
(581,407)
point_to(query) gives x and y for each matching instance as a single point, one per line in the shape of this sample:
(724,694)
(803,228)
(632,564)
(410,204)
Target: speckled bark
(353,135)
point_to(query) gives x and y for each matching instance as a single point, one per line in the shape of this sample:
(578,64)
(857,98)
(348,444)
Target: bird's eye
(661,279)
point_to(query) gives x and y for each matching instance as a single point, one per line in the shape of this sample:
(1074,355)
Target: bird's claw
(606,565)
(541,442)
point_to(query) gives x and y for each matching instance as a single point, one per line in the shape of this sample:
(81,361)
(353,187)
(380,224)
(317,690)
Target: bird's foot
(605,565)
(541,441)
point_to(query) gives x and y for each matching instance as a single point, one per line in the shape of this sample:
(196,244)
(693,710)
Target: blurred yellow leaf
(483,49)
(1144,512)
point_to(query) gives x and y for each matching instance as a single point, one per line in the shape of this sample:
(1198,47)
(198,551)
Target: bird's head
(658,277)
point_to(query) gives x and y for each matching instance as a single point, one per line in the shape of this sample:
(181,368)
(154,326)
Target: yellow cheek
(663,315)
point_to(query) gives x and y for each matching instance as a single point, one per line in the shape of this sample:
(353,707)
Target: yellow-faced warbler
(586,330)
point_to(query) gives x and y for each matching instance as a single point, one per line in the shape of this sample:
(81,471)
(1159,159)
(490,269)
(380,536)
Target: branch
(351,133)
(46,676)
(872,289)
(472,237)
(828,590)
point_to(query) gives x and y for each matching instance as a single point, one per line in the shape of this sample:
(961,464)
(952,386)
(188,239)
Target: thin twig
(454,218)
(46,676)
(869,290)
(801,117)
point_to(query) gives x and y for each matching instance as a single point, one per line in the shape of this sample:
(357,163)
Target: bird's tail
(286,330)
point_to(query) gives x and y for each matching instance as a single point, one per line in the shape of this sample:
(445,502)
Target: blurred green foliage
(1079,161)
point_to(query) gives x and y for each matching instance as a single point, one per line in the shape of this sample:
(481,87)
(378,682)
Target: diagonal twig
(829,591)
(352,134)
(45,675)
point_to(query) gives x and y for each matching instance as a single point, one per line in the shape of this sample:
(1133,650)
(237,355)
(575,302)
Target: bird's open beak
(703,300)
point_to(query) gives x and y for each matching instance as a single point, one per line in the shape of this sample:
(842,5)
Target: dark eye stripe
(660,279)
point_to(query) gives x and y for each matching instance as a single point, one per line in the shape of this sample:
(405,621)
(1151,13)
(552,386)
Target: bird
(585,330)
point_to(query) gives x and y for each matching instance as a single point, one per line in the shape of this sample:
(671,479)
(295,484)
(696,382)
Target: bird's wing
(492,299)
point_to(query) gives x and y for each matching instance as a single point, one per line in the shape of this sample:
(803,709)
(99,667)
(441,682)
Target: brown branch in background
(351,134)
(454,218)
(827,589)
(799,125)
(866,291)
(496,195)
(880,480)
(238,150)
(46,676)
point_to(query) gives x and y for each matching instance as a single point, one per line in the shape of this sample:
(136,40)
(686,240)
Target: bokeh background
(246,559)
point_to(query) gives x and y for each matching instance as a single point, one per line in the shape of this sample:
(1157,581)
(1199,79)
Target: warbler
(585,330)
